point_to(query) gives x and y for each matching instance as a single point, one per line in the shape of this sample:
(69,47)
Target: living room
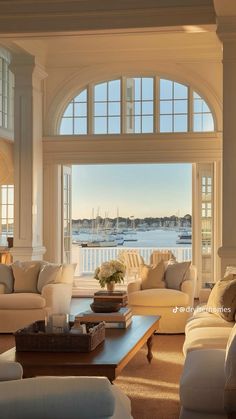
(97,70)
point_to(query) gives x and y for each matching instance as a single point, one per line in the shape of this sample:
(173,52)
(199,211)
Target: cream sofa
(207,387)
(174,306)
(52,290)
(59,397)
(208,382)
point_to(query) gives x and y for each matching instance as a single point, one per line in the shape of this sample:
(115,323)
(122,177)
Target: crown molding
(25,16)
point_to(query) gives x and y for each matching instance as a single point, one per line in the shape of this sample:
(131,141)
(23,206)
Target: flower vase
(110,286)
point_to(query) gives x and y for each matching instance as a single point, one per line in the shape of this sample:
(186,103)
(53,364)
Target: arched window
(137,105)
(6,94)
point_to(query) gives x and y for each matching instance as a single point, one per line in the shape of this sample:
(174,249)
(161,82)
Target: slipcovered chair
(30,291)
(174,305)
(59,397)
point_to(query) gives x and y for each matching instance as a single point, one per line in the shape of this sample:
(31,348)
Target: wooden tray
(34,338)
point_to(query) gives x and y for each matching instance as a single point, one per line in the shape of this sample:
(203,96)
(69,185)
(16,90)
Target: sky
(138,190)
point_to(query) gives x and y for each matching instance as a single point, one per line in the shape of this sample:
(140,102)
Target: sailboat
(131,233)
(100,237)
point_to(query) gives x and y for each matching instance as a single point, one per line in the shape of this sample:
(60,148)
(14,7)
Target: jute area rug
(152,388)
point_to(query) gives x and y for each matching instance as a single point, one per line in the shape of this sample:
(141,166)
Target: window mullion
(90,109)
(156,105)
(141,105)
(107,107)
(123,106)
(173,108)
(190,109)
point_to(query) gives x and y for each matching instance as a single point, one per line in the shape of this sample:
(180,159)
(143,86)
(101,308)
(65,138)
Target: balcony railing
(89,258)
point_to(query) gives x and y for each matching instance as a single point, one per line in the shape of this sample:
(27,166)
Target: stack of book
(111,297)
(117,320)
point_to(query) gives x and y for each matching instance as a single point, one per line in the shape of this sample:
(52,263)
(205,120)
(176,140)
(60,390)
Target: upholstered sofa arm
(58,397)
(134,286)
(10,371)
(58,297)
(188,287)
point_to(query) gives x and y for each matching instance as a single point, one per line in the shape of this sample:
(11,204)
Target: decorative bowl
(106,307)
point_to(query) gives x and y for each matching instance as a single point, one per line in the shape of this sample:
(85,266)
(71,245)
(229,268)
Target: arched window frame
(156,106)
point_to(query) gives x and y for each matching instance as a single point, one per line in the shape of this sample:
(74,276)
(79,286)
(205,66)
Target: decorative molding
(150,148)
(24,16)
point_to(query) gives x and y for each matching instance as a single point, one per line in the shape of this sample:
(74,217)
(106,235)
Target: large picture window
(136,105)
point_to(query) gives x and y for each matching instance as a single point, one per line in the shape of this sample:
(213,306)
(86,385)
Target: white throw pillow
(68,270)
(175,274)
(26,275)
(49,274)
(6,278)
(230,270)
(53,273)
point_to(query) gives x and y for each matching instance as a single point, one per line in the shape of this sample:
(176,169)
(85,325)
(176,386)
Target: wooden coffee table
(108,359)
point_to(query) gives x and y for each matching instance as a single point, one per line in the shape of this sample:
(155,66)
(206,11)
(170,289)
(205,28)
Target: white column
(28,159)
(227,252)
(52,219)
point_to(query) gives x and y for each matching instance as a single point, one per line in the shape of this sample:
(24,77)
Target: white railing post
(80,268)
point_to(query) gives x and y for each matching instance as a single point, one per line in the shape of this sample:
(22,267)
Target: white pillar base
(228,257)
(27,253)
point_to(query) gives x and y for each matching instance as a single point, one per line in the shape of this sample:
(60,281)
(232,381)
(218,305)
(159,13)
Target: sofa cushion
(206,338)
(205,319)
(22,301)
(6,277)
(222,299)
(158,298)
(26,275)
(152,276)
(175,274)
(202,381)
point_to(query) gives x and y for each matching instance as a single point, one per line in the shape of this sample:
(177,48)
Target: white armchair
(51,293)
(59,397)
(174,306)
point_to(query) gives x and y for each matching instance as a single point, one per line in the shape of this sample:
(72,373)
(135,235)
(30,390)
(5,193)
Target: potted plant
(110,273)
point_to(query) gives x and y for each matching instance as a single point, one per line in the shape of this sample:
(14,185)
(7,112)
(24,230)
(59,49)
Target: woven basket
(34,338)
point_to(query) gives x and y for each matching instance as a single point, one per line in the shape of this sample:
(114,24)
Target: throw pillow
(26,275)
(175,274)
(6,278)
(230,270)
(68,270)
(49,274)
(222,299)
(53,273)
(152,276)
